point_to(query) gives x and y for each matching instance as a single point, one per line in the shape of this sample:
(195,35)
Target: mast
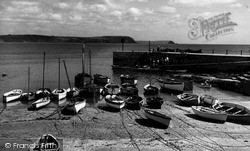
(67,73)
(149,46)
(43,68)
(28,80)
(89,62)
(59,74)
(83,50)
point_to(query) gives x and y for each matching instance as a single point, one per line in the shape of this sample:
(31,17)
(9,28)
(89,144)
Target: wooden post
(241,52)
(59,74)
(213,51)
(83,65)
(226,52)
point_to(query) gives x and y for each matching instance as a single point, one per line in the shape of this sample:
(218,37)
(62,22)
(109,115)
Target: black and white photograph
(124,75)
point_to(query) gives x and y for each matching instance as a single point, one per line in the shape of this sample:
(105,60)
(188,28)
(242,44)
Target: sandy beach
(102,128)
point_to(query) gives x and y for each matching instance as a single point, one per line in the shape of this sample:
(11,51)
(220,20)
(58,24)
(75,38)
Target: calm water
(15,58)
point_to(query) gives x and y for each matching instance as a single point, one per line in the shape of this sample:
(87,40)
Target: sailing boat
(28,96)
(71,91)
(150,89)
(88,89)
(42,95)
(59,93)
(42,92)
(82,79)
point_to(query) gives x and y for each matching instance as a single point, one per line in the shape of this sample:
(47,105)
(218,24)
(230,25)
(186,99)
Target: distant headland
(61,39)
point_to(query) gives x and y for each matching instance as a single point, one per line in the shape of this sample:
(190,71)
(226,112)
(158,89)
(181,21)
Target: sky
(141,19)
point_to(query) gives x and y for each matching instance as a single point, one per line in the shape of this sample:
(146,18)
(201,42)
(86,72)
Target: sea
(16,58)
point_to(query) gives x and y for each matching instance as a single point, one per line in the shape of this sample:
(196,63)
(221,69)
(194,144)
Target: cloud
(201,2)
(167,9)
(98,7)
(63,5)
(236,5)
(134,11)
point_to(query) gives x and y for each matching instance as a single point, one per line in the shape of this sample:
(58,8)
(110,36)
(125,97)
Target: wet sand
(102,128)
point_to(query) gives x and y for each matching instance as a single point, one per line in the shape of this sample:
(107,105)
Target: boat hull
(235,112)
(189,99)
(73,109)
(155,116)
(59,94)
(178,87)
(42,102)
(209,113)
(52,143)
(150,90)
(114,102)
(12,95)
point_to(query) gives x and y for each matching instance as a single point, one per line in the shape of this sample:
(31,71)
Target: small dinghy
(42,102)
(150,89)
(101,79)
(46,143)
(208,100)
(189,99)
(72,92)
(74,108)
(129,89)
(115,101)
(28,96)
(171,84)
(235,112)
(154,102)
(42,92)
(12,95)
(158,117)
(59,94)
(111,89)
(133,101)
(209,113)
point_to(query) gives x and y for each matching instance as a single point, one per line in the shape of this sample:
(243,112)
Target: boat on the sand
(129,89)
(171,84)
(42,92)
(208,100)
(150,89)
(74,107)
(42,102)
(189,99)
(12,95)
(158,117)
(133,101)
(59,94)
(210,113)
(154,101)
(72,92)
(234,111)
(115,101)
(111,89)
(46,143)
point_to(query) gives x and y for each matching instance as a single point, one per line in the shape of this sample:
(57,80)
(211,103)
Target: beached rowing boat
(234,111)
(208,100)
(158,117)
(154,102)
(111,89)
(129,89)
(171,84)
(59,94)
(133,101)
(46,143)
(209,113)
(71,92)
(150,89)
(42,102)
(115,101)
(74,108)
(189,99)
(42,92)
(12,95)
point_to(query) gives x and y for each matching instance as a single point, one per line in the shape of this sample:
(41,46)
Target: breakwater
(176,60)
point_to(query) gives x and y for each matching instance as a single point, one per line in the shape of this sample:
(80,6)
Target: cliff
(59,39)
